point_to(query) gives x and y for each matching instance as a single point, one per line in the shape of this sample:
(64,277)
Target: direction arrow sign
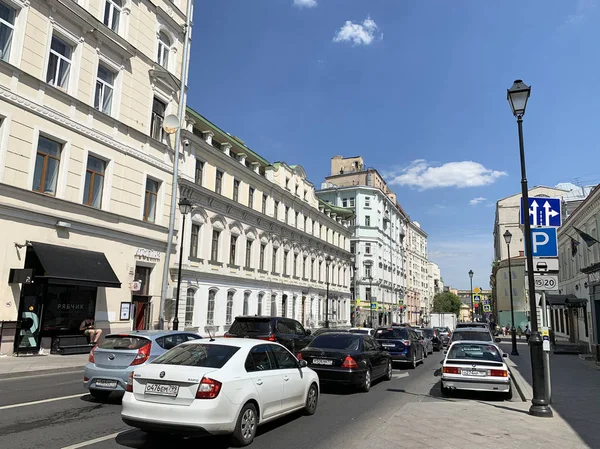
(543,212)
(546,282)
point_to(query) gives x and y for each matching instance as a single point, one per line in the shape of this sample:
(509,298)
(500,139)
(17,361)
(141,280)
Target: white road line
(43,401)
(400,376)
(94,441)
(39,375)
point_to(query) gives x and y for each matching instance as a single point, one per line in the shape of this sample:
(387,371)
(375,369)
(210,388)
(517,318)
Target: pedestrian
(527,332)
(365,323)
(89,329)
(508,329)
(519,332)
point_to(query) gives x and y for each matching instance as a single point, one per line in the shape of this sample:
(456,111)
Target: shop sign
(594,277)
(148,254)
(136,286)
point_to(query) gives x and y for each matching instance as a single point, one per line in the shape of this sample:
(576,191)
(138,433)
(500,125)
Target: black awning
(74,266)
(566,300)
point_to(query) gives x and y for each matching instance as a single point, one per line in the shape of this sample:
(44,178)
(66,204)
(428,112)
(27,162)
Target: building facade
(258,241)
(85,169)
(418,300)
(435,283)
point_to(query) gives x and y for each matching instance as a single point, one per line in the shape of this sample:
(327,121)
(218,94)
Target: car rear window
(392,333)
(359,331)
(477,336)
(198,354)
(116,342)
(245,327)
(347,342)
(475,352)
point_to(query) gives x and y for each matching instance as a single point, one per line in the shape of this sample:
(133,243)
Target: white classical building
(418,298)
(258,239)
(85,169)
(435,284)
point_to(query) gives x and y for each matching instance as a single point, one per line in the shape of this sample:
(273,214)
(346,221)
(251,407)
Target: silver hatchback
(110,363)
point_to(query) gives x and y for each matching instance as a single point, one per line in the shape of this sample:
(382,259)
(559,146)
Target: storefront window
(66,306)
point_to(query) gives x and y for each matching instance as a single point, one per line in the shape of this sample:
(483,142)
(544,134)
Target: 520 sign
(545,282)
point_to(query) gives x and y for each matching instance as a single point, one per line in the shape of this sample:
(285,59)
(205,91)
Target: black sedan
(347,359)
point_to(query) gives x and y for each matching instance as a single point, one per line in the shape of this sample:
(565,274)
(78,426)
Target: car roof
(244,343)
(471,329)
(151,334)
(361,329)
(476,342)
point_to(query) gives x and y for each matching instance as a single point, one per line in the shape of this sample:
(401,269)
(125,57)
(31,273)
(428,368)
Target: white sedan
(224,386)
(476,366)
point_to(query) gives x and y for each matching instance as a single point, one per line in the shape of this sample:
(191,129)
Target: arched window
(273,305)
(260,304)
(294,307)
(189,307)
(246,300)
(164,44)
(229,309)
(210,312)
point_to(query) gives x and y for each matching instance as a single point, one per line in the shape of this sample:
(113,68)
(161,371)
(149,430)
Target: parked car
(347,358)
(477,366)
(224,386)
(362,330)
(327,330)
(286,331)
(473,334)
(425,341)
(402,343)
(110,362)
(471,325)
(435,338)
(445,334)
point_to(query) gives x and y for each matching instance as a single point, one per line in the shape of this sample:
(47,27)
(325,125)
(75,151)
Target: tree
(446,302)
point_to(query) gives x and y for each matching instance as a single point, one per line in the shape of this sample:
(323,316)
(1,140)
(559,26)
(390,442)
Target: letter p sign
(544,242)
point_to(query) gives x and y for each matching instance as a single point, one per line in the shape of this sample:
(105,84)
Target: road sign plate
(544,265)
(544,242)
(476,298)
(546,282)
(543,212)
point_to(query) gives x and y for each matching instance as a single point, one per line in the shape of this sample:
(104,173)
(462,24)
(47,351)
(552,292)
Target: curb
(517,386)
(41,372)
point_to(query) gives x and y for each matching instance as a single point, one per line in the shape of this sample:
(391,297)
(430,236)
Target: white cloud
(358,34)
(582,11)
(423,175)
(305,3)
(476,201)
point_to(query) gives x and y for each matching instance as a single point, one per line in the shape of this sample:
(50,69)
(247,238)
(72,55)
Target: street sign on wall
(543,212)
(546,282)
(544,242)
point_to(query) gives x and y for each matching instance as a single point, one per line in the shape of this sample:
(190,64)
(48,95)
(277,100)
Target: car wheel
(413,362)
(425,353)
(99,394)
(445,391)
(508,395)
(312,398)
(366,385)
(245,428)
(389,372)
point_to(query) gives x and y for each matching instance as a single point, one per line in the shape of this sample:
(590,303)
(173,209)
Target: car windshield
(198,354)
(117,342)
(347,342)
(475,352)
(243,327)
(401,333)
(359,331)
(471,335)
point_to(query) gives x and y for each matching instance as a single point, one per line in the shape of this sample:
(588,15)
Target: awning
(72,266)
(565,300)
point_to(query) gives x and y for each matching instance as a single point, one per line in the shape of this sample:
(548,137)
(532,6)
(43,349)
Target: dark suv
(286,331)
(402,343)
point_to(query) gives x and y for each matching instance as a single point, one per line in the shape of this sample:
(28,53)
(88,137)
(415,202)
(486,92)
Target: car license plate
(322,362)
(473,373)
(106,383)
(388,345)
(161,389)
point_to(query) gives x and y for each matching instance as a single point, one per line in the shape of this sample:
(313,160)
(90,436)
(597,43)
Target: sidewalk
(575,389)
(40,364)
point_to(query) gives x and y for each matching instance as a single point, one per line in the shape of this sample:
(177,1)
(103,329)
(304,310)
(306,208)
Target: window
(7,29)
(304,267)
(59,63)
(232,245)
(295,265)
(367,201)
(260,304)
(287,183)
(248,253)
(320,269)
(229,308)
(218,181)
(112,14)
(250,197)
(236,190)
(367,220)
(259,359)
(284,358)
(305,224)
(164,44)
(189,307)
(352,247)
(285,258)
(273,305)
(210,311)
(94,182)
(198,173)
(105,86)
(345,202)
(351,202)
(47,163)
(158,117)
(274,261)
(214,249)
(276,210)
(194,240)
(287,214)
(320,231)
(246,303)
(312,269)
(261,261)
(367,248)
(264,204)
(150,200)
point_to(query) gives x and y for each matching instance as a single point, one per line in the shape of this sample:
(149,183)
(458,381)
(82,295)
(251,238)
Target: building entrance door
(141,299)
(30,317)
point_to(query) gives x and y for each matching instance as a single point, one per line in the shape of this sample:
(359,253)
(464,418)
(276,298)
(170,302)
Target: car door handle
(259,382)
(286,378)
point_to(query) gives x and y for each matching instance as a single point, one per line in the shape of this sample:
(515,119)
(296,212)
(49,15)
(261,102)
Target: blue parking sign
(544,242)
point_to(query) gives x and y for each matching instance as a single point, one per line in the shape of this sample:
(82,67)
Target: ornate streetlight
(185,207)
(507,238)
(472,307)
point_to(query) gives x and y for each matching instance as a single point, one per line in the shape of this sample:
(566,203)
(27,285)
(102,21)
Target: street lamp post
(472,306)
(507,238)
(327,264)
(185,207)
(517,96)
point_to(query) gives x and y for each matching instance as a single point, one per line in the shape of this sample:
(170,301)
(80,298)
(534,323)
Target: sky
(419,90)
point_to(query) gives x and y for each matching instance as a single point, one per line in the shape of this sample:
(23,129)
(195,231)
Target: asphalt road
(54,411)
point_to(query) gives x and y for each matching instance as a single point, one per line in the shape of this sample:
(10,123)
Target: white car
(224,386)
(476,366)
(362,330)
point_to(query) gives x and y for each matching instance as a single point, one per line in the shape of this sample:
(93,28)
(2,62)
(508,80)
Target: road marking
(94,441)
(43,401)
(4,379)
(400,376)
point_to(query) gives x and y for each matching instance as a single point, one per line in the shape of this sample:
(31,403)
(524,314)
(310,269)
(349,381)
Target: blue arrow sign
(543,212)
(544,242)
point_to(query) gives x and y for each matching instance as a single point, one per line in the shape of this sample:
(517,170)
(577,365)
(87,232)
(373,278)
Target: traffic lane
(342,416)
(18,390)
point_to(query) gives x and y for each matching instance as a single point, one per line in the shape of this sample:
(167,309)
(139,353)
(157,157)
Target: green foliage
(446,302)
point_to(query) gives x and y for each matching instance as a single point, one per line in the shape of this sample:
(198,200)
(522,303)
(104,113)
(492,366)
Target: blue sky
(419,90)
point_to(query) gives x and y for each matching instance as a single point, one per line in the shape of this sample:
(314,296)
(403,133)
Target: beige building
(85,167)
(418,301)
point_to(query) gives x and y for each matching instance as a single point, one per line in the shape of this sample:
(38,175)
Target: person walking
(519,332)
(527,332)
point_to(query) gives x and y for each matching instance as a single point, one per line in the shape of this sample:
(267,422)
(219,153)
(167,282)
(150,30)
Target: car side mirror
(498,340)
(308,332)
(504,355)
(302,363)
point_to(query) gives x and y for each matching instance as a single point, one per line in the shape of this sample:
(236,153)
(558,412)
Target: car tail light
(143,354)
(208,388)
(406,342)
(498,373)
(129,387)
(85,379)
(271,337)
(451,370)
(91,356)
(349,363)
(299,356)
